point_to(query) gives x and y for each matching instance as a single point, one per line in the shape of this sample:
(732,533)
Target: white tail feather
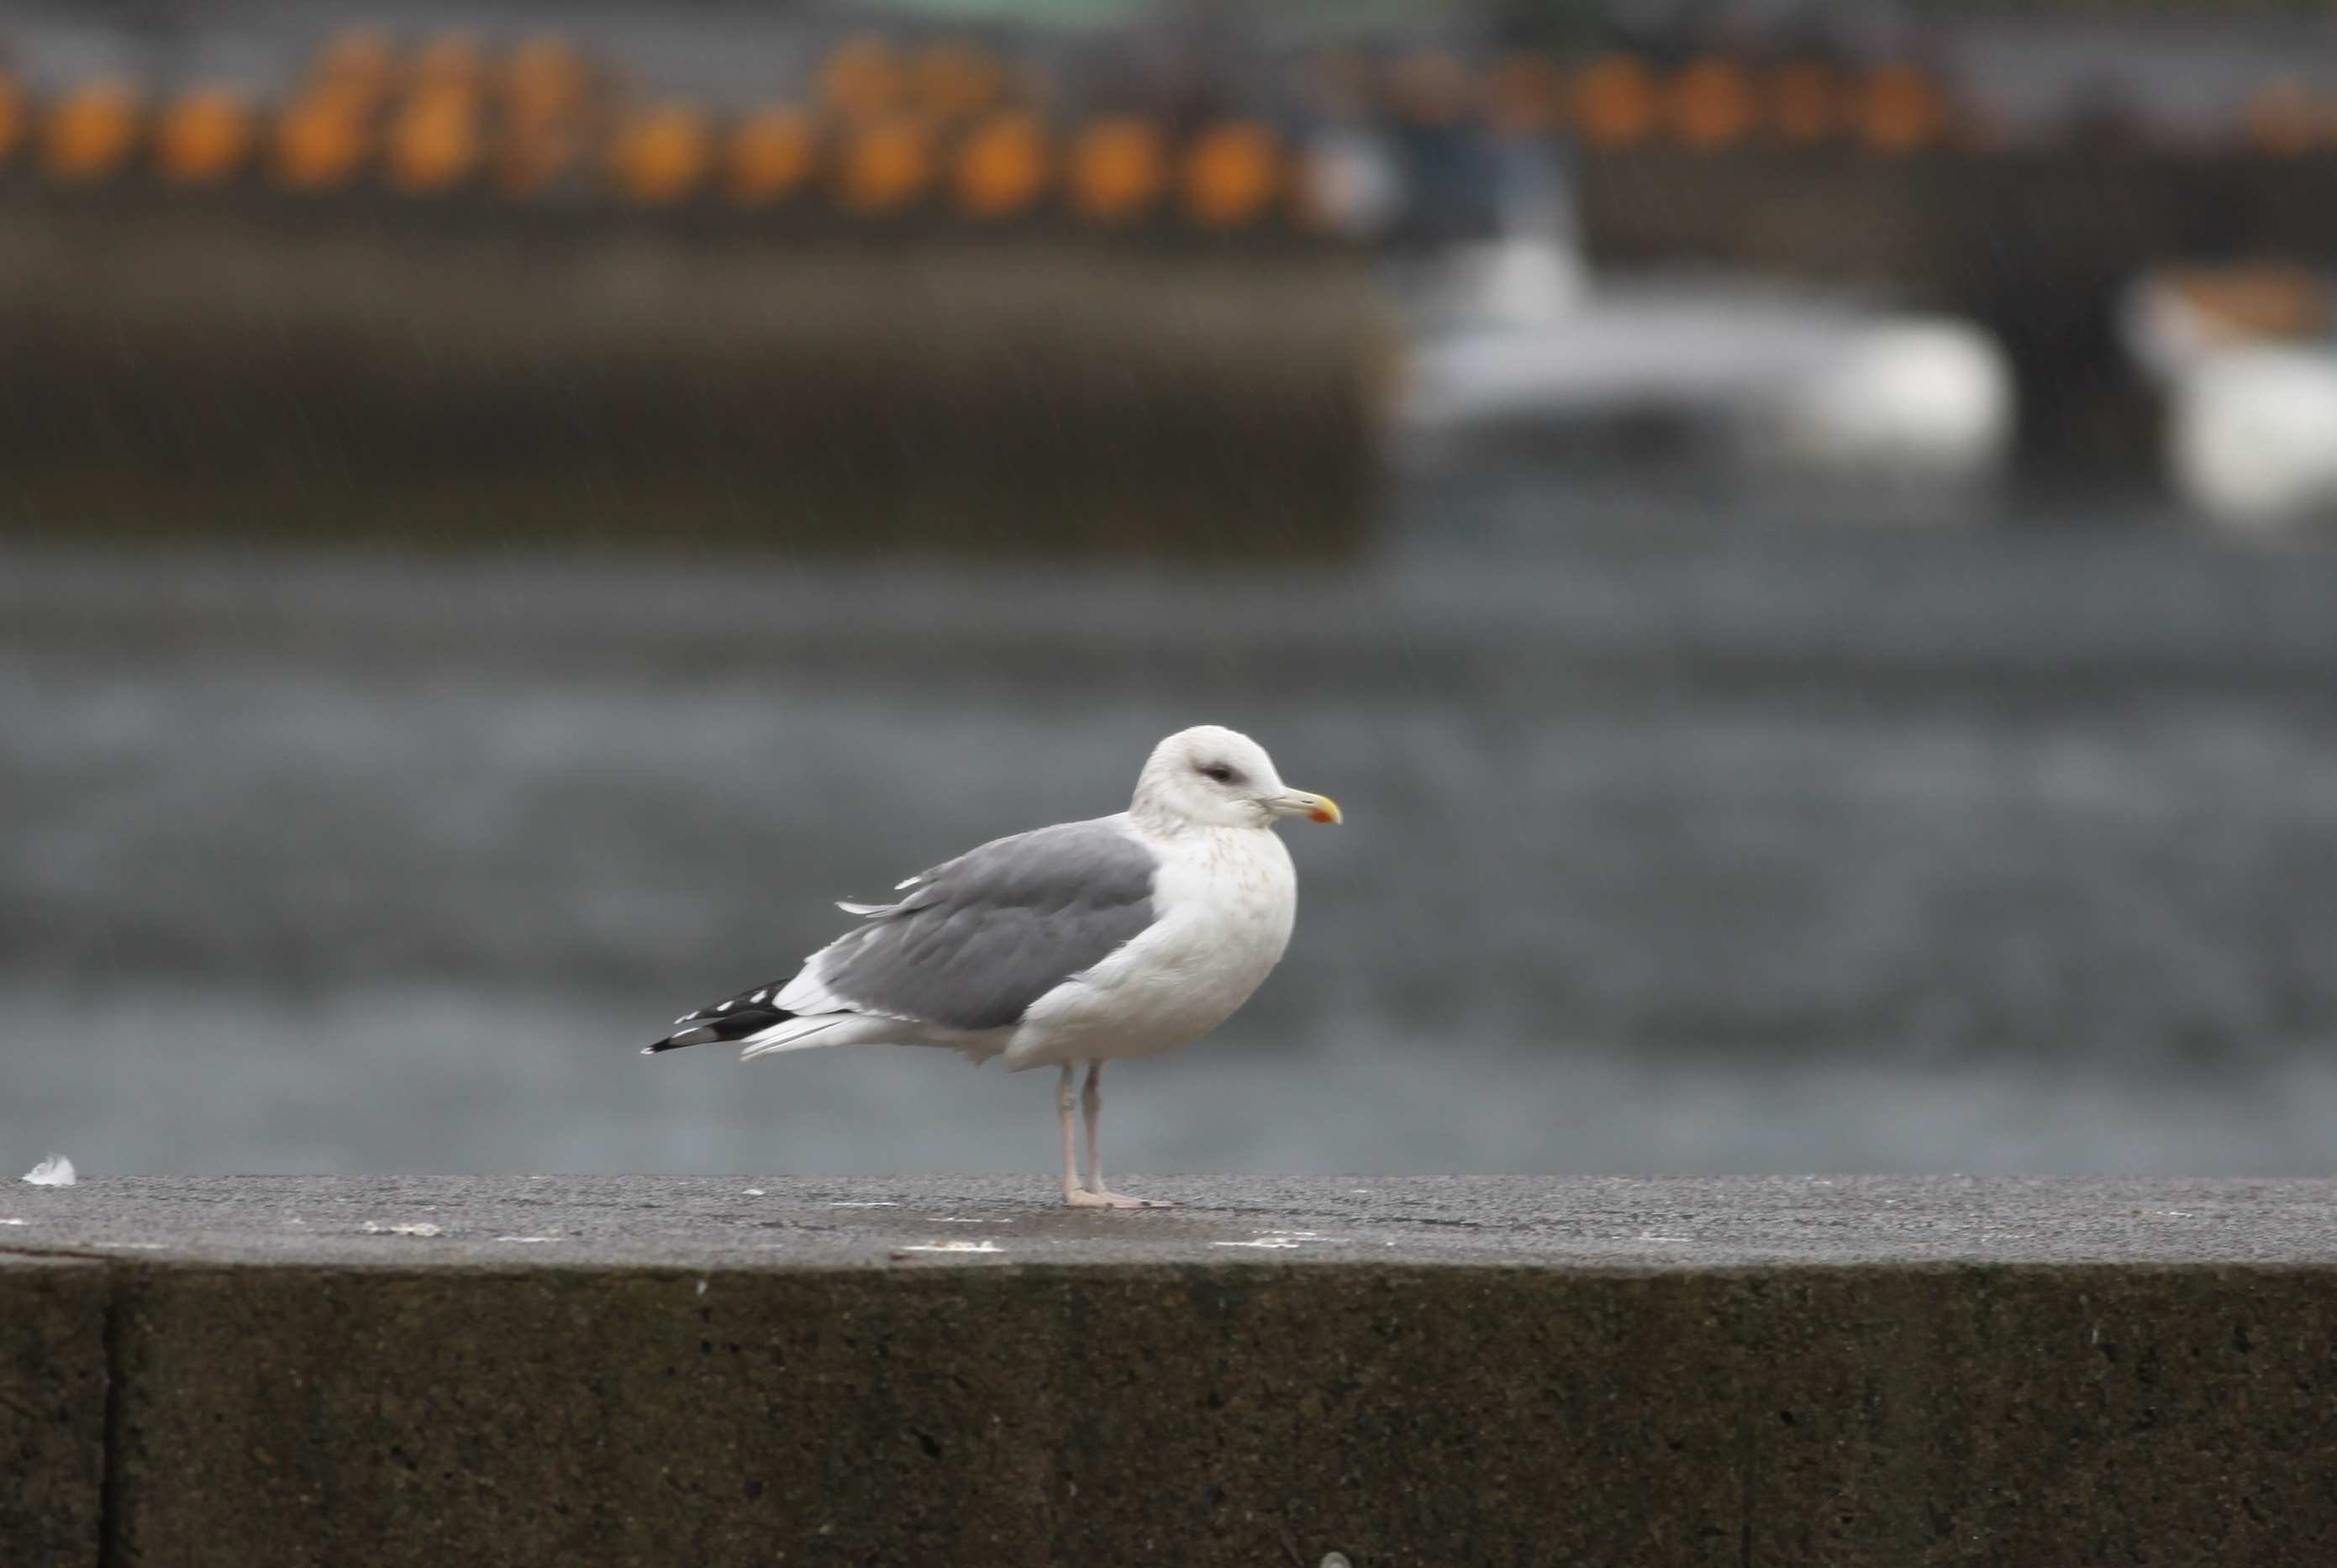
(801,1035)
(819,1029)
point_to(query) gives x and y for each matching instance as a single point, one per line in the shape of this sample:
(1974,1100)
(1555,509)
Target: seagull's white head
(1211,776)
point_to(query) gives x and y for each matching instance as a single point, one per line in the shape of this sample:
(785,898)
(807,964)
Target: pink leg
(1094,1194)
(1065,1098)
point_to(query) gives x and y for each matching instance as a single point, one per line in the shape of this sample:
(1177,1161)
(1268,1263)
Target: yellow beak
(1298,803)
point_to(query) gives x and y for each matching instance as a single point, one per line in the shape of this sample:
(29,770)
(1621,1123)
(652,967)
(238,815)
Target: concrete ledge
(1405,1370)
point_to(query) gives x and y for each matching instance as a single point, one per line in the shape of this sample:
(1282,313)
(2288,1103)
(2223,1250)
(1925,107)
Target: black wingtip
(732,1020)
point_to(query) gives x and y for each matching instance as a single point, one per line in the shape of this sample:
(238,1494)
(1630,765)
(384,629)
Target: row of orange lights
(1714,103)
(889,129)
(888,136)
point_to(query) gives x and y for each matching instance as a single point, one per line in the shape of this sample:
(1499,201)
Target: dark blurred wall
(178,363)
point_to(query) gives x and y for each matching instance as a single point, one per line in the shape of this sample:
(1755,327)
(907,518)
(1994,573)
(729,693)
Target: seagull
(1076,945)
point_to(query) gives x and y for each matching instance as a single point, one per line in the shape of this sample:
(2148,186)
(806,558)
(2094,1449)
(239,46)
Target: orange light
(1525,96)
(1898,109)
(438,137)
(885,165)
(325,135)
(321,142)
(1117,167)
(1806,103)
(1004,166)
(957,81)
(1711,104)
(661,156)
(92,131)
(2283,118)
(863,77)
(773,153)
(204,136)
(1232,171)
(1616,103)
(434,140)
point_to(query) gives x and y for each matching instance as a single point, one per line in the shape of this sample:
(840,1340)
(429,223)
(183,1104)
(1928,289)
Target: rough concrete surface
(1407,1370)
(1508,1220)
(53,1386)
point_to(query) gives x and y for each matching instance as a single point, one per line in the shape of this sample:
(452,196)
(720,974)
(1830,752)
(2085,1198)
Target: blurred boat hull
(1799,388)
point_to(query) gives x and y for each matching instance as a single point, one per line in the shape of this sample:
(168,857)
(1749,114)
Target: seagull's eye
(1218,771)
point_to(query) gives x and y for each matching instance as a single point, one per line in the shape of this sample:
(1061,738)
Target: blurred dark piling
(461,371)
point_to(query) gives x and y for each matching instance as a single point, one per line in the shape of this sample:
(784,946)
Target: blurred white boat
(1806,385)
(2244,358)
(1512,333)
(2252,436)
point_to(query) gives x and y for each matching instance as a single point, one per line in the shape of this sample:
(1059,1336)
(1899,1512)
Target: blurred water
(1678,839)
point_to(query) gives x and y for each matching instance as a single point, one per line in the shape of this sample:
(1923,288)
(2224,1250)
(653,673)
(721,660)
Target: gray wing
(982,936)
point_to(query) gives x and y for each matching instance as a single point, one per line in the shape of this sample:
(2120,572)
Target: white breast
(1223,900)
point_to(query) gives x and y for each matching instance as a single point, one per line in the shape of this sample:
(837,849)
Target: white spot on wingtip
(56,1170)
